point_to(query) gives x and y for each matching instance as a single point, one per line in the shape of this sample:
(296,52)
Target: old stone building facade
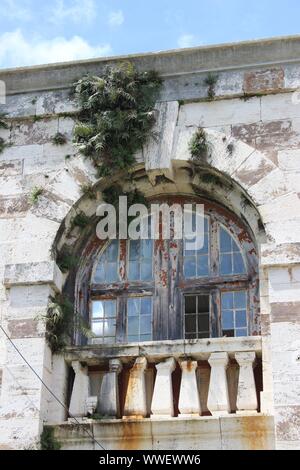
(232,384)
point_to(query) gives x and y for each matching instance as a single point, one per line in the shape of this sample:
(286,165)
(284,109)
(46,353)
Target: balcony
(179,388)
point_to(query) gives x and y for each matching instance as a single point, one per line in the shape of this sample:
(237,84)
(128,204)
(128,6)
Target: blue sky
(36,32)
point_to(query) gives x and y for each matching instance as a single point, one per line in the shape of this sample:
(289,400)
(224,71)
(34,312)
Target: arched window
(144,290)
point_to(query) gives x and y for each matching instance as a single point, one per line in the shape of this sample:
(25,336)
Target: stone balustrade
(167,379)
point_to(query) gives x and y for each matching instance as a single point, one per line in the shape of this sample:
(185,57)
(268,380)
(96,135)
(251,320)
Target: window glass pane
(234,313)
(240,318)
(112,251)
(97,328)
(139,318)
(190,267)
(190,304)
(202,266)
(196,316)
(146,270)
(134,251)
(134,271)
(107,267)
(145,324)
(110,308)
(109,327)
(190,323)
(104,313)
(133,338)
(146,306)
(226,264)
(227,300)
(203,322)
(196,261)
(97,309)
(133,307)
(133,325)
(231,259)
(241,332)
(225,241)
(140,260)
(238,264)
(240,299)
(227,320)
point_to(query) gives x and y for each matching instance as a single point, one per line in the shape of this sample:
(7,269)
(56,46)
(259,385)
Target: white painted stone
(218,398)
(109,404)
(91,405)
(280,106)
(189,400)
(162,399)
(157,153)
(80,392)
(246,395)
(135,401)
(216,113)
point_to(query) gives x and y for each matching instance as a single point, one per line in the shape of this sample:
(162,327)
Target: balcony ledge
(154,351)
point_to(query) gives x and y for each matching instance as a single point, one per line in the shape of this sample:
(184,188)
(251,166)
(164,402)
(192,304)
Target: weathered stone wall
(255,108)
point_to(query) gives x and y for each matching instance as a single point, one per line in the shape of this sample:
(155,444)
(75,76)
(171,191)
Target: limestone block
(264,80)
(34,132)
(80,392)
(66,127)
(135,401)
(268,188)
(284,207)
(289,160)
(279,105)
(189,401)
(162,399)
(157,153)
(20,105)
(246,395)
(218,397)
(33,273)
(291,76)
(54,102)
(254,168)
(219,113)
(20,152)
(10,168)
(109,392)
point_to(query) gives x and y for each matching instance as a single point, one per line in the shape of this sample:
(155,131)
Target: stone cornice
(233,56)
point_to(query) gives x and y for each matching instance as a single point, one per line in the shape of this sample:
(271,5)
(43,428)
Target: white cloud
(16,50)
(77,11)
(15,10)
(186,40)
(116,18)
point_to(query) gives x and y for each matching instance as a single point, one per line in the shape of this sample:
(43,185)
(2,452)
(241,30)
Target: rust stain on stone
(264,80)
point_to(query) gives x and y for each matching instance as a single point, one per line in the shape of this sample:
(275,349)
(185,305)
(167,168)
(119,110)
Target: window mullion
(214,246)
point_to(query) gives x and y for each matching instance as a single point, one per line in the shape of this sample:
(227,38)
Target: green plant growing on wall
(88,191)
(199,146)
(61,322)
(59,139)
(210,81)
(66,260)
(36,192)
(117,116)
(80,220)
(230,148)
(48,440)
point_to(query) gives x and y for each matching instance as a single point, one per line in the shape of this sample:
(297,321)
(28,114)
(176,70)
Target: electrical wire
(49,390)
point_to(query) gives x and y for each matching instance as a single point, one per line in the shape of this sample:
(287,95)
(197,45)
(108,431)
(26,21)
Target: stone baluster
(109,391)
(162,400)
(81,390)
(135,402)
(189,400)
(218,397)
(246,395)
